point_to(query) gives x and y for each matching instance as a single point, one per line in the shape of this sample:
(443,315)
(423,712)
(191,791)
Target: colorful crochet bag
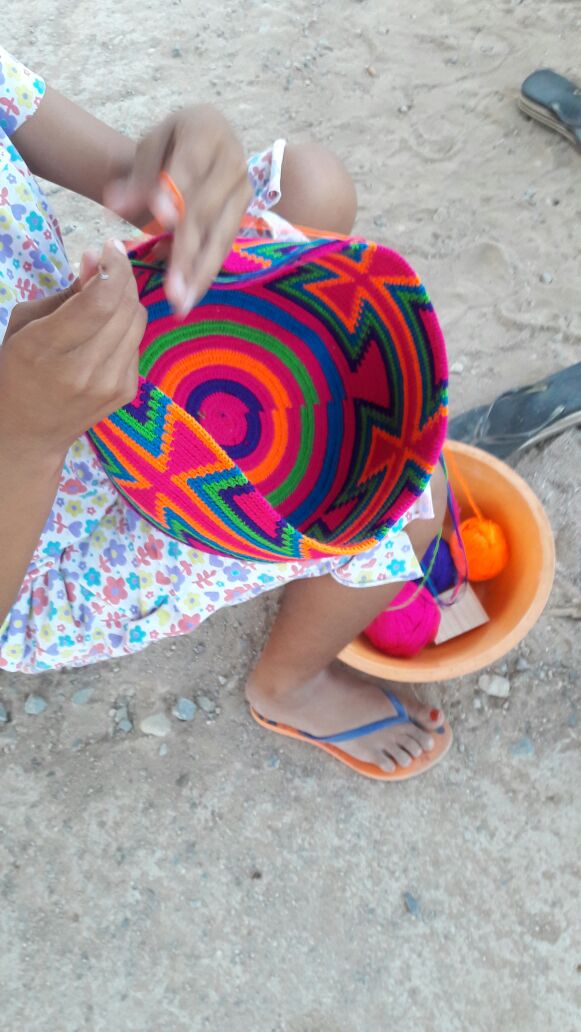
(296,413)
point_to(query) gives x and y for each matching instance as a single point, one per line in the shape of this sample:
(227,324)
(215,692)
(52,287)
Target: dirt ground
(222,878)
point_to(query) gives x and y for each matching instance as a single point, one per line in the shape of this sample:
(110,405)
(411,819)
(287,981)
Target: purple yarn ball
(443,574)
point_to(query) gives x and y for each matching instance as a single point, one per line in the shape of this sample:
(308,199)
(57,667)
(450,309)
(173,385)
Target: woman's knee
(317,190)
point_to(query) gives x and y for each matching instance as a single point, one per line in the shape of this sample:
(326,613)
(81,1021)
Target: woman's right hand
(70,360)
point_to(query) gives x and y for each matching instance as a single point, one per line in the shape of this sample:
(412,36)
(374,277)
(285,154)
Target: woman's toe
(401,757)
(411,745)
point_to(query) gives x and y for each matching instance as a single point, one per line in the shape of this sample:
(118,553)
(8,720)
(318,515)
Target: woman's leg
(317,190)
(296,682)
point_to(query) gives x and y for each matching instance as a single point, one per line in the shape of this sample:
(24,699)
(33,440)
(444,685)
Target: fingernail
(188,303)
(165,210)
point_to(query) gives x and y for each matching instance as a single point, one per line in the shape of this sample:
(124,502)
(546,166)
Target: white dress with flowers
(103,582)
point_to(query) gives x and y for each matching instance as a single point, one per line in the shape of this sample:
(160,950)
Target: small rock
(412,905)
(477,703)
(222,680)
(522,665)
(208,705)
(156,724)
(82,697)
(121,713)
(77,744)
(126,726)
(524,747)
(457,367)
(546,277)
(184,709)
(163,749)
(495,685)
(34,705)
(572,720)
(273,762)
(371,71)
(176,52)
(3,714)
(529,196)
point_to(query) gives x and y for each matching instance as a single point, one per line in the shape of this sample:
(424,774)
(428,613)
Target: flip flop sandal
(553,101)
(329,743)
(523,417)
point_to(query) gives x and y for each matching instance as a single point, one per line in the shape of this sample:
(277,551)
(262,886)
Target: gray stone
(120,714)
(546,277)
(208,705)
(163,749)
(494,685)
(457,367)
(82,696)
(3,714)
(125,725)
(156,724)
(524,747)
(34,705)
(184,709)
(412,905)
(522,665)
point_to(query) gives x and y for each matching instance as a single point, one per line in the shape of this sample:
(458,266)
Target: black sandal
(523,417)
(553,101)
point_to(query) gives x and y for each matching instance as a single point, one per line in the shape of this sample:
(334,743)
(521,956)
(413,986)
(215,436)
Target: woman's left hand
(199,151)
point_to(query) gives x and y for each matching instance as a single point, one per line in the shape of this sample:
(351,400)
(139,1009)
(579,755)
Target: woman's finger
(139,191)
(222,201)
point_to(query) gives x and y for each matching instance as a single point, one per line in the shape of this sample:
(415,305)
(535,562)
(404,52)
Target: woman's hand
(70,360)
(197,148)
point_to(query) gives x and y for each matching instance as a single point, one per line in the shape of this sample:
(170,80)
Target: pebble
(81,697)
(222,680)
(3,714)
(457,367)
(546,277)
(372,72)
(125,725)
(121,713)
(524,747)
(208,705)
(34,705)
(184,709)
(163,749)
(495,685)
(156,724)
(273,762)
(176,52)
(477,703)
(412,905)
(522,665)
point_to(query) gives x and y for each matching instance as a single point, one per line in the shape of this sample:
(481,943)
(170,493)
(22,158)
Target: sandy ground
(234,881)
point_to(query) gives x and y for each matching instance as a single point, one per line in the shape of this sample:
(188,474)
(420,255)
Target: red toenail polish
(434,714)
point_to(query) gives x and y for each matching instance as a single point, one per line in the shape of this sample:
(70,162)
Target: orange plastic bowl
(514,600)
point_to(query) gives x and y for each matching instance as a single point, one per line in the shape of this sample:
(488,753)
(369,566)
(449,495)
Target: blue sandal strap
(401,717)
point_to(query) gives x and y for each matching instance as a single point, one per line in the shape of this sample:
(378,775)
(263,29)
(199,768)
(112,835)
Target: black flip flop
(553,101)
(523,417)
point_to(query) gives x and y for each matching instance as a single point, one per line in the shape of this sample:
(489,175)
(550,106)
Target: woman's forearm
(70,147)
(28,485)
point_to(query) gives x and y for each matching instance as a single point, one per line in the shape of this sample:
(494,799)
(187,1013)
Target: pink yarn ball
(405,632)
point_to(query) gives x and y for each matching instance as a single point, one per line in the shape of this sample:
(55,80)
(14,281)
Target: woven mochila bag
(296,413)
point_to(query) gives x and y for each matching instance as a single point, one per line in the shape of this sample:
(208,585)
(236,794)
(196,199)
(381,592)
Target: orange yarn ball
(485,546)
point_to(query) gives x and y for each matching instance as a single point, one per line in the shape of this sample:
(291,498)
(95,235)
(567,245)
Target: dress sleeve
(21,91)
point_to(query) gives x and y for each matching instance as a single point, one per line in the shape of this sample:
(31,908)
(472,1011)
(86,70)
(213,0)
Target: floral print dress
(103,582)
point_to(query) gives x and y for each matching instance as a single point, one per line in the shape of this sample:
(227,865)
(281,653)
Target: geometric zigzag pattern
(296,413)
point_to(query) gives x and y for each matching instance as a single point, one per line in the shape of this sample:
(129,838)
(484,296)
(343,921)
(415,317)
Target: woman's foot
(337,700)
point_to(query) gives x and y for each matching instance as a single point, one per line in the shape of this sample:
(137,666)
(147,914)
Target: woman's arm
(196,147)
(70,147)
